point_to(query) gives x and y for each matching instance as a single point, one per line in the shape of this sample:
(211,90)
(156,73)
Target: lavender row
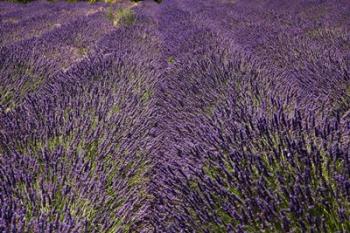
(80,145)
(229,135)
(32,62)
(269,167)
(309,55)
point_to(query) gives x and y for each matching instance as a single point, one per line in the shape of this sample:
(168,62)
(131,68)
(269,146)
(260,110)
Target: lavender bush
(185,116)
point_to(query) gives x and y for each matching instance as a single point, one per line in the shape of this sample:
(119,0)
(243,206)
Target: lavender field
(180,116)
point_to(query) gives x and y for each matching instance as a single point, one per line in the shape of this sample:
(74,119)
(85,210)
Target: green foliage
(110,14)
(124,16)
(146,96)
(171,60)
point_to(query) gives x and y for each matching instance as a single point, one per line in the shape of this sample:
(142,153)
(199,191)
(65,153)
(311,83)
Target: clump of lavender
(284,174)
(271,167)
